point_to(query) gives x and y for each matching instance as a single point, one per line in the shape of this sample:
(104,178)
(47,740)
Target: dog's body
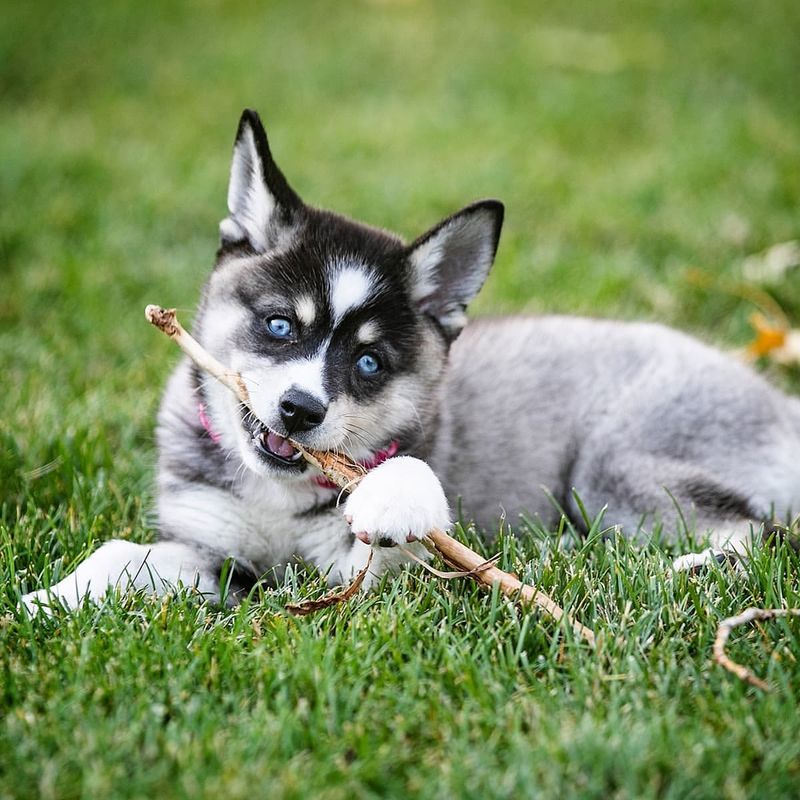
(349,339)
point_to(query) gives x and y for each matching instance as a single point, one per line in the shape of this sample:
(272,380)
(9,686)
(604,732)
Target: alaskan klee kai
(350,339)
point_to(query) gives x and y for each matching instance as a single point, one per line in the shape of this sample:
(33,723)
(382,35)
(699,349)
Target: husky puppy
(350,339)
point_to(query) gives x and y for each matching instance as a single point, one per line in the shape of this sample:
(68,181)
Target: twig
(346,475)
(167,322)
(461,573)
(724,631)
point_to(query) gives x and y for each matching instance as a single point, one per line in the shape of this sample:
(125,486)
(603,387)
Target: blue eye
(368,364)
(280,327)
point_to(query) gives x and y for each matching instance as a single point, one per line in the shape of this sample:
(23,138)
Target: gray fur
(634,416)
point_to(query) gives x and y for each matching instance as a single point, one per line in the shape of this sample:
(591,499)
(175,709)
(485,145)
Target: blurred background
(646,154)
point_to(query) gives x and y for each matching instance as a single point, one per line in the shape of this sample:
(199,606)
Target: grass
(632,144)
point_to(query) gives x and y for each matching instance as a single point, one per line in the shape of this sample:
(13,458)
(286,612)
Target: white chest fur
(266,522)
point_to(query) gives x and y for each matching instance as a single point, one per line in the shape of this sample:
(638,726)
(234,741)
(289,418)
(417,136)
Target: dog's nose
(301,411)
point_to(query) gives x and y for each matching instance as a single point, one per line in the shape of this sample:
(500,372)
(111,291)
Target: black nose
(301,411)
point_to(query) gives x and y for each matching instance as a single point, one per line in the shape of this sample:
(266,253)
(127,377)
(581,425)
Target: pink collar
(370,463)
(206,422)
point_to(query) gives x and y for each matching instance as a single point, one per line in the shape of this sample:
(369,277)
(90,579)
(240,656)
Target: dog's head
(340,330)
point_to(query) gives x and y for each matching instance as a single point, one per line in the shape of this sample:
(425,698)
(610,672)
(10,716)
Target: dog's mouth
(271,446)
(278,451)
(277,447)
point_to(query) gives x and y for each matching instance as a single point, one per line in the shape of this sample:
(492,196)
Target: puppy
(349,339)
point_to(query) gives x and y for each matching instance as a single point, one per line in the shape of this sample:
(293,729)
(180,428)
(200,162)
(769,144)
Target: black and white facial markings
(340,330)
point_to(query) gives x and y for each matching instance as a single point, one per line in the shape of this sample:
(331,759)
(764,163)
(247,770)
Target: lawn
(644,151)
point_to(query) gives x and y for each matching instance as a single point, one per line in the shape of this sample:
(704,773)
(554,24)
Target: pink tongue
(279,445)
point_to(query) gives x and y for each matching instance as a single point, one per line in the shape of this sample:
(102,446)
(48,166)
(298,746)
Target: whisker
(357,438)
(416,414)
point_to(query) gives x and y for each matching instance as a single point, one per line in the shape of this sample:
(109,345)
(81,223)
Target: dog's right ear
(260,201)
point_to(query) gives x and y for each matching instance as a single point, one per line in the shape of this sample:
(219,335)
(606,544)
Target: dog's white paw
(696,562)
(397,503)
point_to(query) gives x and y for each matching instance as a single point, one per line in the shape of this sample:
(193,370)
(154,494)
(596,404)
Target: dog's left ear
(451,261)
(260,201)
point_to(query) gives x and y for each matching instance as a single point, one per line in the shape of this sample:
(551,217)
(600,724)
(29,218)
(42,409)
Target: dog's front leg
(127,565)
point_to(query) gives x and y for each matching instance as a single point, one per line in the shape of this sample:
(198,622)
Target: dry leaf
(312,606)
(776,342)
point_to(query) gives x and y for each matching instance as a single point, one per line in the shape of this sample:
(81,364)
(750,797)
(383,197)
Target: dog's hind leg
(641,490)
(127,565)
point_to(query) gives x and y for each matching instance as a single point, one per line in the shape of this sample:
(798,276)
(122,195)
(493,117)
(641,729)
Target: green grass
(632,144)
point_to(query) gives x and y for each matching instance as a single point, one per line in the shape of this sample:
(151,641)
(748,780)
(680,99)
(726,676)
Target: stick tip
(162,318)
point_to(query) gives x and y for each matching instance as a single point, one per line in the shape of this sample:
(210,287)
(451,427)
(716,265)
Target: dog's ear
(260,201)
(451,261)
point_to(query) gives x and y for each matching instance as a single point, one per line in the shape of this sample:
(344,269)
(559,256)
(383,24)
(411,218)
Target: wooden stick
(166,321)
(346,474)
(724,631)
(459,555)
